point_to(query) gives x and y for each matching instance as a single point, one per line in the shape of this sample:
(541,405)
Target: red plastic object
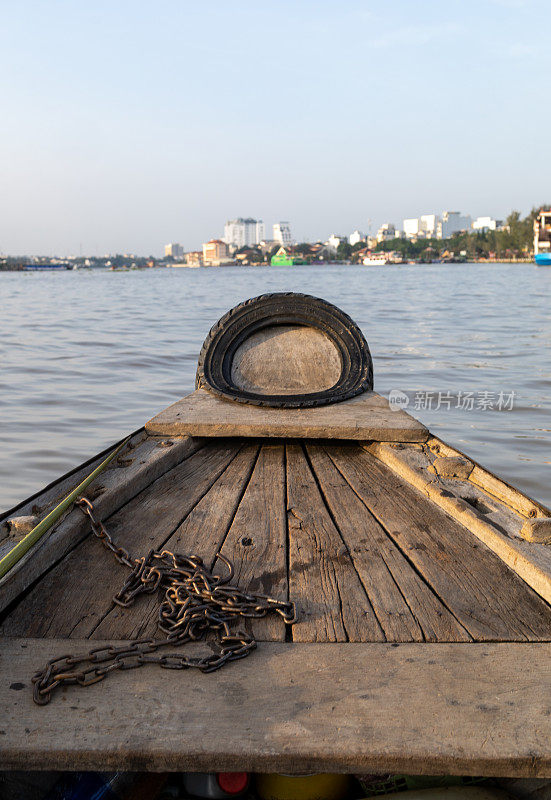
(233,782)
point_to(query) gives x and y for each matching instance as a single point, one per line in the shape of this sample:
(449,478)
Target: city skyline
(247,232)
(243,232)
(350,114)
(450,235)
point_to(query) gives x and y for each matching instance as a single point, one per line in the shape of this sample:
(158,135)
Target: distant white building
(356,237)
(452,222)
(282,233)
(174,250)
(243,232)
(428,223)
(412,228)
(334,241)
(386,231)
(486,224)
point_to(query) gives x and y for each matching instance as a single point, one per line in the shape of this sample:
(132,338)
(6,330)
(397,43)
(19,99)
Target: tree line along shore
(514,242)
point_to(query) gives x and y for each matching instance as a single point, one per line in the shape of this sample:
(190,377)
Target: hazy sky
(129,124)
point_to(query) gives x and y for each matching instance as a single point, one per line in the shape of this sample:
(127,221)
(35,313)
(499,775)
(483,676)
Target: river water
(88,356)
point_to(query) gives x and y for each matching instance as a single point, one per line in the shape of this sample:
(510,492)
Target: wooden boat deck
(364,555)
(417,648)
(422,583)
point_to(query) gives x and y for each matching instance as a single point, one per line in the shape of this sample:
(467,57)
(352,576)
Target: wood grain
(150,459)
(499,529)
(331,602)
(470,709)
(286,359)
(484,595)
(367,416)
(407,609)
(201,532)
(73,598)
(51,495)
(257,540)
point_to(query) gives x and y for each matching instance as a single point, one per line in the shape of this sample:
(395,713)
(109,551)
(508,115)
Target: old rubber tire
(214,367)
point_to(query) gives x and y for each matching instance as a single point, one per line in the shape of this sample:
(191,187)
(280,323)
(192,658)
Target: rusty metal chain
(196,602)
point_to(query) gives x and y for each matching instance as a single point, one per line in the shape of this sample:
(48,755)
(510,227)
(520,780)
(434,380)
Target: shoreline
(412,263)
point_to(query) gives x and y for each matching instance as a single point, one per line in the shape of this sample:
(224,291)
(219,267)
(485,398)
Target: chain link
(196,602)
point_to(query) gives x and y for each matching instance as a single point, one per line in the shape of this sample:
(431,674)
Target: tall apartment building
(386,231)
(452,222)
(174,250)
(412,228)
(429,225)
(242,232)
(425,226)
(282,233)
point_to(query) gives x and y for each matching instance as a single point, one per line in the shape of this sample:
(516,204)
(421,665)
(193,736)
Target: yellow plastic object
(317,786)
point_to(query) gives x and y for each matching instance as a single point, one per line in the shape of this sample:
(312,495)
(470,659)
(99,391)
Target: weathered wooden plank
(498,530)
(131,473)
(331,602)
(201,533)
(471,709)
(492,484)
(407,609)
(43,501)
(286,359)
(367,416)
(537,530)
(73,598)
(40,504)
(257,540)
(487,598)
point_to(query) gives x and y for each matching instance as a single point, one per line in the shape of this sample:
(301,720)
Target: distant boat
(542,239)
(285,257)
(375,260)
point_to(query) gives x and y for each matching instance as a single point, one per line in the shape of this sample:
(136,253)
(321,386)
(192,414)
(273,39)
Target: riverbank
(76,267)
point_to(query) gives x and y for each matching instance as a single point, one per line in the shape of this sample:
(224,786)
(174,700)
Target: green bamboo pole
(44,525)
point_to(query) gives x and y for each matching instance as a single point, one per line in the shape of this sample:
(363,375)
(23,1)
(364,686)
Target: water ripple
(88,356)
